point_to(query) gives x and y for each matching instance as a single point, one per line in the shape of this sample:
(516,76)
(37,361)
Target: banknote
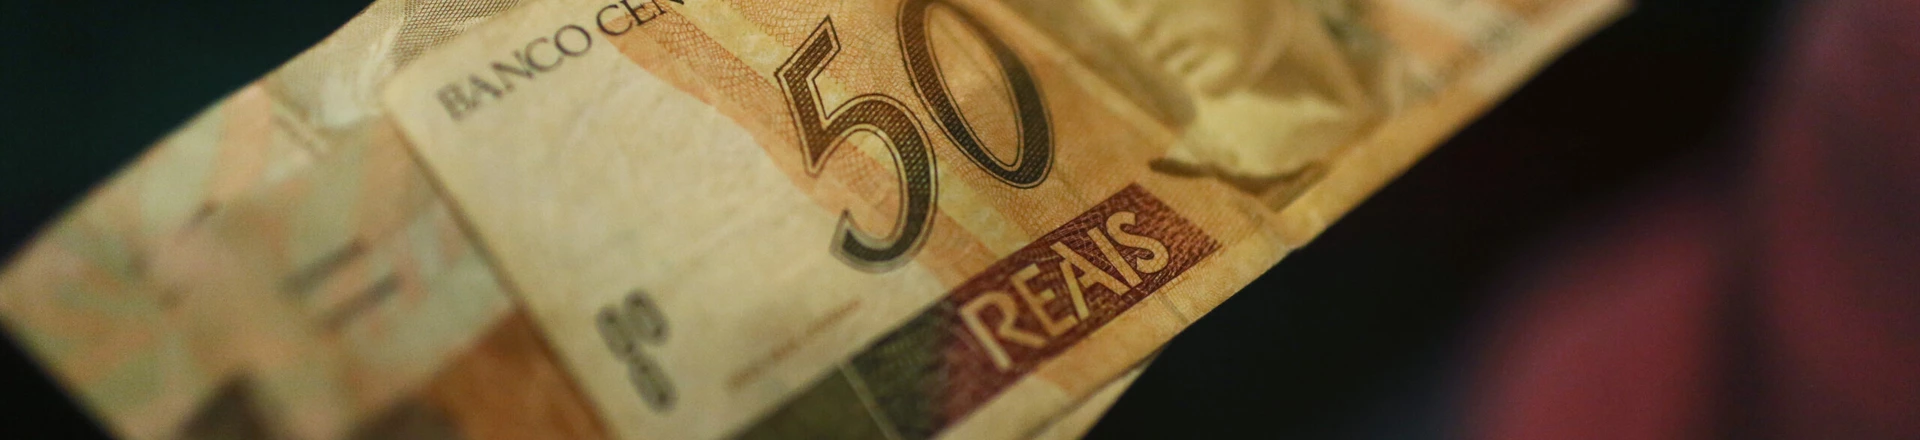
(921,218)
(136,299)
(278,269)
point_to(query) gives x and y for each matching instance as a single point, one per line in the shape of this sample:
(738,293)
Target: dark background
(1362,334)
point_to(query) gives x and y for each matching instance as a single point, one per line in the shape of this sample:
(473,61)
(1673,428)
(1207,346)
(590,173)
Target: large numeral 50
(822,132)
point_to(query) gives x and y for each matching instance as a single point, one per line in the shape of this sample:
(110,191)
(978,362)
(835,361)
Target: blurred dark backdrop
(1356,336)
(1361,334)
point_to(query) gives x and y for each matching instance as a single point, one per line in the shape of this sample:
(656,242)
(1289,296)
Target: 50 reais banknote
(709,218)
(923,218)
